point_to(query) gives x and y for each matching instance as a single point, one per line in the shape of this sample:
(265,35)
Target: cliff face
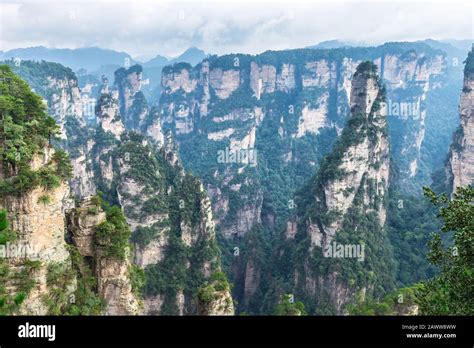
(255,128)
(410,78)
(114,285)
(461,157)
(214,297)
(39,224)
(342,212)
(108,112)
(65,101)
(112,273)
(82,184)
(39,219)
(167,210)
(183,111)
(364,166)
(287,107)
(133,106)
(83,221)
(184,235)
(34,196)
(65,104)
(43,273)
(58,86)
(106,137)
(117,160)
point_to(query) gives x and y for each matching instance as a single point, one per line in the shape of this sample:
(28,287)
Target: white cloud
(168,27)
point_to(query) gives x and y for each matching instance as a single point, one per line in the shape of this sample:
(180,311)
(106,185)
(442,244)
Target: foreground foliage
(452,291)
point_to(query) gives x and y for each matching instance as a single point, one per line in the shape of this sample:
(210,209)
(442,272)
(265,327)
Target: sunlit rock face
(40,226)
(461,161)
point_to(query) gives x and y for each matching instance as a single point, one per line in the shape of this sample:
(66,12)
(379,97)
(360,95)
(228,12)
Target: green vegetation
(25,126)
(112,235)
(289,307)
(212,290)
(400,302)
(61,299)
(469,63)
(59,279)
(21,279)
(122,73)
(180,270)
(176,68)
(143,167)
(139,107)
(451,292)
(77,136)
(137,279)
(26,130)
(142,236)
(366,67)
(84,300)
(359,226)
(215,289)
(284,163)
(37,74)
(410,220)
(44,199)
(164,191)
(6,234)
(253,250)
(173,274)
(169,276)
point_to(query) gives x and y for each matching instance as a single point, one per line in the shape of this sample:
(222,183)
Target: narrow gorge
(245,184)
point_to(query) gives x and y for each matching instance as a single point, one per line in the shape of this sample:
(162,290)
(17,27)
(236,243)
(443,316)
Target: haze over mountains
(150,218)
(93,58)
(458,44)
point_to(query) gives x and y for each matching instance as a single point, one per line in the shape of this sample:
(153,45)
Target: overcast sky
(148,28)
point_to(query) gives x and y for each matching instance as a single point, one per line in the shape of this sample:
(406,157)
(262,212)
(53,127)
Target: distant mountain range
(192,55)
(100,60)
(446,45)
(330,44)
(95,59)
(91,58)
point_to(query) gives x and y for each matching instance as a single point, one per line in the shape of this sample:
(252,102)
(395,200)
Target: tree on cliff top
(26,131)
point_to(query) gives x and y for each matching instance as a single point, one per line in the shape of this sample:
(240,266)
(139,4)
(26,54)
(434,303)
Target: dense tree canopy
(25,131)
(452,291)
